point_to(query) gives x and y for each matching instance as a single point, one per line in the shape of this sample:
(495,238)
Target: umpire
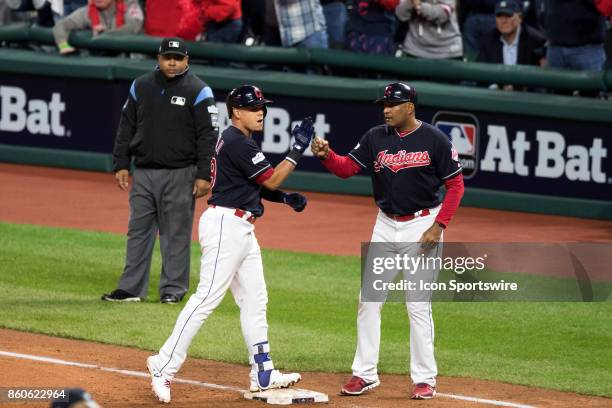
(169,128)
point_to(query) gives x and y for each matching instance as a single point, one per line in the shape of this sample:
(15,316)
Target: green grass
(51,280)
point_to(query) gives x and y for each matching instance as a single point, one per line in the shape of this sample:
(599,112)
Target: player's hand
(296,201)
(122,177)
(302,134)
(320,148)
(432,236)
(201,187)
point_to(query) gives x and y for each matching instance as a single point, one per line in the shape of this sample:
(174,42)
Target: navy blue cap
(508,7)
(397,93)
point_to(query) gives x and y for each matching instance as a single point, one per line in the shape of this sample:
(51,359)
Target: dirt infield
(112,389)
(331,224)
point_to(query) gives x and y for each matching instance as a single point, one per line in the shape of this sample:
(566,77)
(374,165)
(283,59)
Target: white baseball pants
(231,258)
(423,367)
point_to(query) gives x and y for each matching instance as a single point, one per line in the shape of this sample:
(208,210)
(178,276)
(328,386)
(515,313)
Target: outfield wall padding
(299,85)
(92,90)
(327,183)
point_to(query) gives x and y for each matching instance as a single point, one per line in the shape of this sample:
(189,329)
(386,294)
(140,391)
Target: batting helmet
(398,92)
(245,96)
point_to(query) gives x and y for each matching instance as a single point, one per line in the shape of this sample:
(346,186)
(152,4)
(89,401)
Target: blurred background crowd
(568,34)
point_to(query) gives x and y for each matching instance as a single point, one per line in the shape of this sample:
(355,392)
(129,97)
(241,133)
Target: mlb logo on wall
(463,131)
(178,100)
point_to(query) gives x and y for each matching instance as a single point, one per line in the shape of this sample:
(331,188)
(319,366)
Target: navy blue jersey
(407,171)
(237,163)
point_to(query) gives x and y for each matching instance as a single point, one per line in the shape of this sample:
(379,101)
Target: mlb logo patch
(462,135)
(173,44)
(178,100)
(462,130)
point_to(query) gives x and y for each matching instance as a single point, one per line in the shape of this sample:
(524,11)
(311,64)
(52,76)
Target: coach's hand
(122,177)
(201,187)
(432,236)
(320,148)
(296,201)
(302,134)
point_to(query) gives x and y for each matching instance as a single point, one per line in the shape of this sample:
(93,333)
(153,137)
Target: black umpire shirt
(167,123)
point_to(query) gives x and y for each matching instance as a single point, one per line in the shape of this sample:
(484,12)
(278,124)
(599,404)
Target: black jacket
(530,47)
(370,18)
(167,124)
(572,23)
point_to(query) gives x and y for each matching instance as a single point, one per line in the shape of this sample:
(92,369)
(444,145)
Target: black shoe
(120,295)
(170,299)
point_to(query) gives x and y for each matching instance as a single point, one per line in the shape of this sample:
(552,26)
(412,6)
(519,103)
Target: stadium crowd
(569,34)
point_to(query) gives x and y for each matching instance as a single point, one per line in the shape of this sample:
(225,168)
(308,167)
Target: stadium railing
(400,68)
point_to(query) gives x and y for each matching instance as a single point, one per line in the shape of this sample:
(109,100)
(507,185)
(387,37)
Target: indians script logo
(401,160)
(462,131)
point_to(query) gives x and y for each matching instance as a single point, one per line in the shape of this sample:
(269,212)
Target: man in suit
(512,43)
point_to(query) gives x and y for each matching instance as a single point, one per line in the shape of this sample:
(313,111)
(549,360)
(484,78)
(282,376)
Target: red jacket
(177,18)
(604,7)
(221,10)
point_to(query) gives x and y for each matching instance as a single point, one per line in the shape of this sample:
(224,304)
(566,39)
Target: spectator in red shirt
(185,16)
(100,16)
(222,20)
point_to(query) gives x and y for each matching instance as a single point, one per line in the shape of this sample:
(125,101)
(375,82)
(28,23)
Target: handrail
(401,68)
(442,96)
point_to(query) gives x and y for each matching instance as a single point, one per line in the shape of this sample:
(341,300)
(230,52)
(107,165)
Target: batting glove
(296,201)
(302,135)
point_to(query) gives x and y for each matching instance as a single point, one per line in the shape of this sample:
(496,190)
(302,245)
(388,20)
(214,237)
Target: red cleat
(423,391)
(357,386)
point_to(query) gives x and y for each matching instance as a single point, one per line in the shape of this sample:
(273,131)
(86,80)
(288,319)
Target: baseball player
(409,160)
(231,258)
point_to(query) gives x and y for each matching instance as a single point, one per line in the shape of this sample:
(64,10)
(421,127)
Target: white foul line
(483,401)
(217,386)
(116,370)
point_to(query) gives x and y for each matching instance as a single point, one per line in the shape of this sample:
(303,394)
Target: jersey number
(213,172)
